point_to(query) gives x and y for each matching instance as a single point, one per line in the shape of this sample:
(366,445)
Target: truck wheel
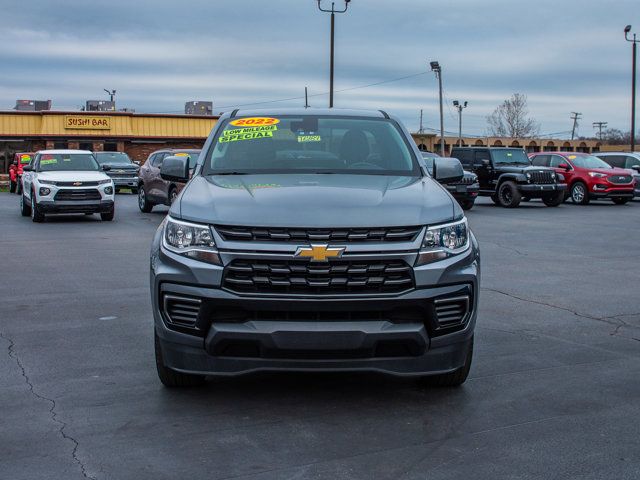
(25,209)
(579,194)
(620,200)
(508,194)
(494,199)
(453,379)
(108,216)
(173,193)
(36,215)
(171,378)
(143,203)
(12,186)
(553,200)
(467,204)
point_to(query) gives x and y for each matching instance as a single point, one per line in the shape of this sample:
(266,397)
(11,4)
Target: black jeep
(506,176)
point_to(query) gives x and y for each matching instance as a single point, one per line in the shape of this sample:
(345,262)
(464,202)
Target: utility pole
(112,96)
(306,98)
(437,69)
(575,116)
(627,29)
(421,129)
(333,12)
(460,106)
(599,126)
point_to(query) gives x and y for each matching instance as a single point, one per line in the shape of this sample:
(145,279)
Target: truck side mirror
(486,163)
(636,168)
(27,168)
(564,166)
(447,170)
(175,169)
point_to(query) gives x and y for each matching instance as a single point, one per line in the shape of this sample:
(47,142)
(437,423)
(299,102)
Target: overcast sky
(565,55)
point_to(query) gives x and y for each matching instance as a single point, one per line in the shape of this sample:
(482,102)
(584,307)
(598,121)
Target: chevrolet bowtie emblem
(319,253)
(77,184)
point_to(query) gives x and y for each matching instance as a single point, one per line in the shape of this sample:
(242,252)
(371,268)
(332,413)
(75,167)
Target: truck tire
(36,214)
(108,216)
(171,378)
(579,193)
(25,209)
(467,204)
(620,200)
(494,199)
(13,186)
(173,194)
(508,194)
(453,379)
(553,200)
(143,202)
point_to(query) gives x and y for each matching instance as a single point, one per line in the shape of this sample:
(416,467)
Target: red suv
(15,170)
(588,177)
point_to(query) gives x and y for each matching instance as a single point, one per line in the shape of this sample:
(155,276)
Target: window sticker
(509,154)
(182,154)
(572,157)
(254,122)
(25,159)
(48,161)
(247,133)
(309,138)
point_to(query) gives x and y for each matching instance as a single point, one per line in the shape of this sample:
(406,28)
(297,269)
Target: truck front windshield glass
(588,161)
(310,144)
(67,162)
(112,157)
(508,155)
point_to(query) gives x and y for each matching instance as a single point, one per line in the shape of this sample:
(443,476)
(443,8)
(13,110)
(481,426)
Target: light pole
(333,12)
(460,107)
(437,69)
(112,95)
(633,40)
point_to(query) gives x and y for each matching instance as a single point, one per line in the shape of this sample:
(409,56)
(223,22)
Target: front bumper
(76,206)
(126,181)
(539,190)
(342,332)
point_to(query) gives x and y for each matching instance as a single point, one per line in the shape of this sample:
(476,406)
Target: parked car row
(508,176)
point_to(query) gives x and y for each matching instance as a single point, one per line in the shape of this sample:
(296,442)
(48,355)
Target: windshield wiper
(229,173)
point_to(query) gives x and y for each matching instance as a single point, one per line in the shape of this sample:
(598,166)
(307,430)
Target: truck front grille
(331,278)
(544,177)
(301,235)
(78,194)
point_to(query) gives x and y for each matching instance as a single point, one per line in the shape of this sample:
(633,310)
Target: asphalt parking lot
(553,390)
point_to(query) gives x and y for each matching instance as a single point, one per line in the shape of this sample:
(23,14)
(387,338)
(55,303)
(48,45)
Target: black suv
(506,176)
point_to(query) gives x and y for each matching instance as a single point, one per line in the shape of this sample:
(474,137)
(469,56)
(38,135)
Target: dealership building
(139,134)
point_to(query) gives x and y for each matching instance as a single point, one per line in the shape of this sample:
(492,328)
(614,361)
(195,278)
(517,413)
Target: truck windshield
(112,157)
(56,162)
(510,155)
(310,144)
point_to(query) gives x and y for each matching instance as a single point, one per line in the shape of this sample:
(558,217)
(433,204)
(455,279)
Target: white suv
(66,181)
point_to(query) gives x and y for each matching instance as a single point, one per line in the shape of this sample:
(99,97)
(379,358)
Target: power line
(575,116)
(599,126)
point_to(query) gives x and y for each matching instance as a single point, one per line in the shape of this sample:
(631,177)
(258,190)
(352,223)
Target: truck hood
(123,166)
(73,176)
(315,200)
(522,168)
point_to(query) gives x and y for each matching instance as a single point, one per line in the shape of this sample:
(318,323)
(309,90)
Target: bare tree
(510,119)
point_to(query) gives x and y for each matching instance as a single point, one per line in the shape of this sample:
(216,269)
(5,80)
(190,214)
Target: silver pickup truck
(313,240)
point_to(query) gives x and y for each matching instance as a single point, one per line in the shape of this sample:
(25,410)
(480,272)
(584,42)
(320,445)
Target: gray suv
(313,240)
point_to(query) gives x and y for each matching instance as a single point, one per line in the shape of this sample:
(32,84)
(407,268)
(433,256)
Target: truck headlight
(444,241)
(597,174)
(102,182)
(191,240)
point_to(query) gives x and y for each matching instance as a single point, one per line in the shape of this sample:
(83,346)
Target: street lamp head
(435,66)
(456,103)
(465,104)
(627,29)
